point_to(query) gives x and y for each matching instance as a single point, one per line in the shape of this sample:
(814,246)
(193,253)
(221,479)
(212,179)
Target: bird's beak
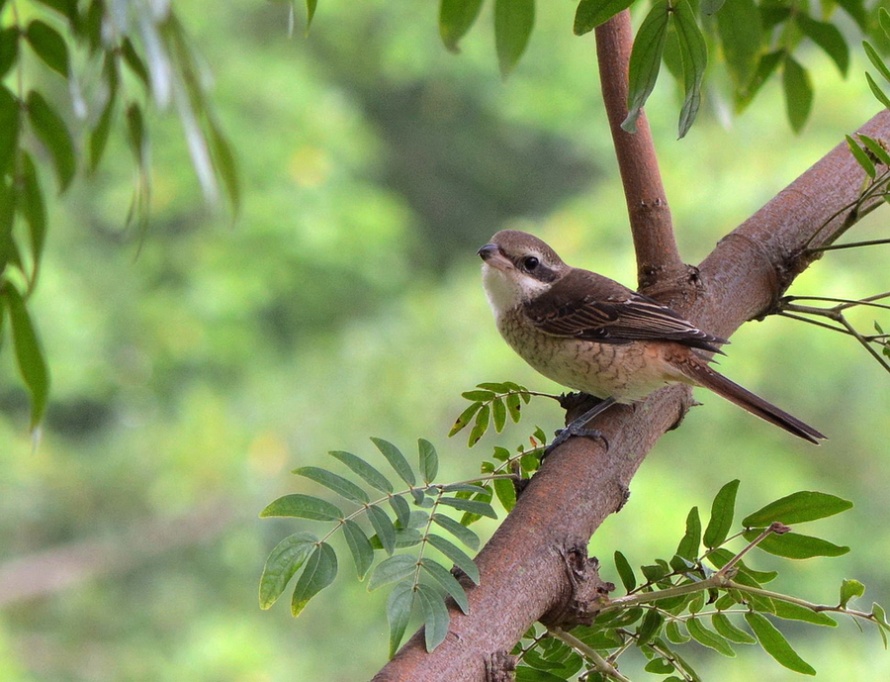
(491,254)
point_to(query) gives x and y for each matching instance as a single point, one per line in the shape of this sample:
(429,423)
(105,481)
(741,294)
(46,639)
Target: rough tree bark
(526,567)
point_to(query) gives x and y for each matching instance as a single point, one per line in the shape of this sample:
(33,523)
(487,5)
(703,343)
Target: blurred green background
(194,368)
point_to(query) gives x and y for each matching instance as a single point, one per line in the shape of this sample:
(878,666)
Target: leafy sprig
(706,593)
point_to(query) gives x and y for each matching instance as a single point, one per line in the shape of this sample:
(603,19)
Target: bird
(592,334)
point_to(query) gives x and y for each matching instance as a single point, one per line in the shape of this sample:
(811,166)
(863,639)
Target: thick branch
(522,566)
(658,257)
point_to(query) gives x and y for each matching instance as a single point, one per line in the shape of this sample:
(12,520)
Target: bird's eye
(530,263)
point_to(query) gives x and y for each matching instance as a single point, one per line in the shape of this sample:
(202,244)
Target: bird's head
(518,267)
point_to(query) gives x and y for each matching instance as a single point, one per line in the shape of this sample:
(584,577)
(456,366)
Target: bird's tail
(702,375)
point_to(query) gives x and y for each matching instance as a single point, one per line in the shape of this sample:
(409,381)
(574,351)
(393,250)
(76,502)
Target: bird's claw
(572,431)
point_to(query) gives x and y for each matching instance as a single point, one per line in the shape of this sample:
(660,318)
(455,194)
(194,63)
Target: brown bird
(592,334)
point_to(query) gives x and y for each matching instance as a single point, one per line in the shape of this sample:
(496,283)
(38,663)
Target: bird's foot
(573,431)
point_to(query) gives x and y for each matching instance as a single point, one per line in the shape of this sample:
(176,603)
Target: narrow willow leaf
(861,157)
(447,582)
(879,94)
(7,246)
(455,19)
(514,406)
(99,134)
(33,206)
(50,128)
(392,569)
(10,124)
(723,625)
(460,558)
(462,533)
(343,487)
(798,507)
(282,563)
(828,37)
(28,353)
(765,67)
(775,644)
(856,10)
(461,422)
(361,468)
(592,13)
(741,34)
(9,49)
(649,627)
(513,23)
(435,616)
(480,425)
(398,612)
(876,148)
(709,638)
(876,60)
(688,547)
(386,533)
(625,572)
(798,93)
(359,546)
(49,45)
(788,611)
(396,460)
(506,493)
(499,414)
(645,61)
(850,589)
(695,59)
(722,512)
(310,12)
(429,460)
(319,572)
(302,506)
(224,163)
(471,506)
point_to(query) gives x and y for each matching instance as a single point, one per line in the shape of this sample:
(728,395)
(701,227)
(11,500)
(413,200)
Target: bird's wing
(597,309)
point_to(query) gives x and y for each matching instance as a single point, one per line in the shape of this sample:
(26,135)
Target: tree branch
(658,257)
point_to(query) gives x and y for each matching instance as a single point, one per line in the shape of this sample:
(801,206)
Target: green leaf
(688,547)
(798,93)
(359,546)
(49,45)
(649,627)
(480,425)
(134,62)
(723,625)
(429,460)
(392,569)
(856,10)
(513,22)
(798,507)
(471,506)
(850,589)
(499,414)
(462,533)
(302,506)
(396,460)
(514,406)
(708,638)
(790,611)
(861,157)
(9,49)
(460,558)
(775,644)
(343,487)
(479,395)
(310,12)
(398,612)
(319,572)
(33,207)
(224,163)
(741,34)
(674,634)
(455,19)
(592,13)
(435,616)
(796,546)
(361,468)
(28,353)
(876,148)
(282,563)
(876,60)
(709,7)
(645,61)
(828,37)
(383,527)
(695,59)
(99,134)
(525,673)
(402,510)
(765,67)
(506,492)
(10,124)
(50,128)
(447,582)
(461,422)
(722,512)
(877,92)
(880,616)
(625,572)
